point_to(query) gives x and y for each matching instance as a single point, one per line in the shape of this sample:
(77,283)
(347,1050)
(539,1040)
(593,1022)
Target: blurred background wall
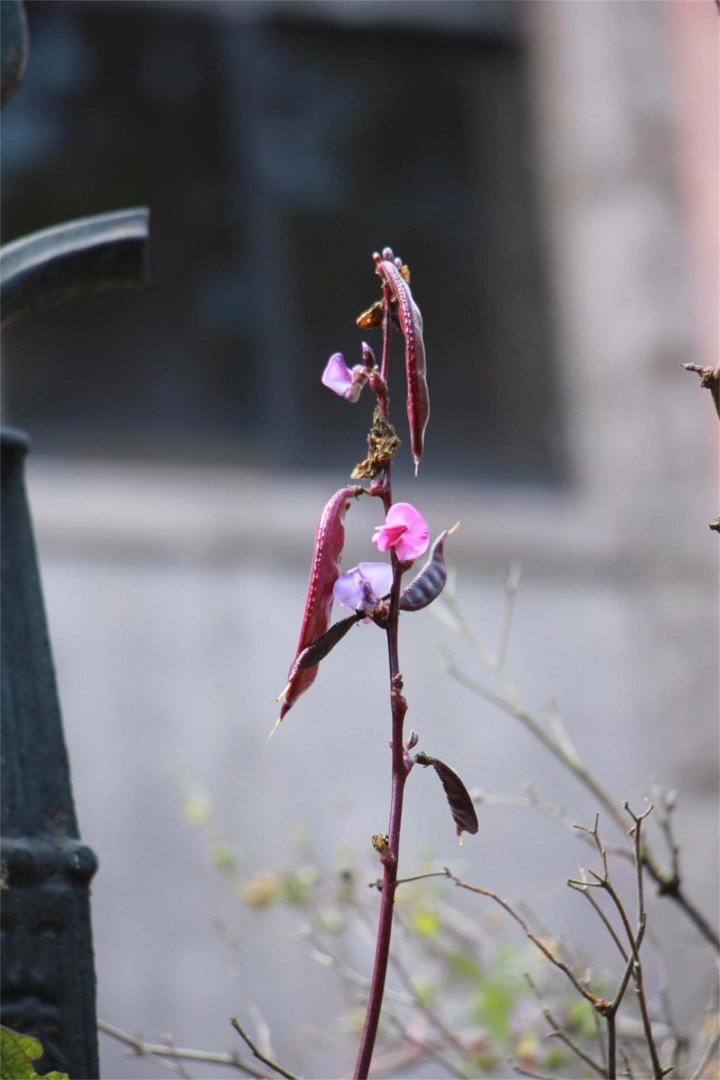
(549,172)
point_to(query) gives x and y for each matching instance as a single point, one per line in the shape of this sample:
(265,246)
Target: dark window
(278,146)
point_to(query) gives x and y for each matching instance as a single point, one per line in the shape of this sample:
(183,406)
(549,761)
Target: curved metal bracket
(91,254)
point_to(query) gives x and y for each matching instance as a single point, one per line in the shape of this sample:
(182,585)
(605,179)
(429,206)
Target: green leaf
(425,923)
(462,966)
(307,876)
(295,891)
(555,1059)
(17,1053)
(493,1005)
(424,990)
(223,857)
(196,809)
(581,1018)
(511,961)
(329,920)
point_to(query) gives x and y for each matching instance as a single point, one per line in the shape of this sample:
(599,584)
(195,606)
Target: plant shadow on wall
(475,994)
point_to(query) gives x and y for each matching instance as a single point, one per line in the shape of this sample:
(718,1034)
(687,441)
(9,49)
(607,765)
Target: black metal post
(48,978)
(48,974)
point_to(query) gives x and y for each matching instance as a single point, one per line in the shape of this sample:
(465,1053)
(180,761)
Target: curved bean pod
(430,582)
(324,572)
(411,324)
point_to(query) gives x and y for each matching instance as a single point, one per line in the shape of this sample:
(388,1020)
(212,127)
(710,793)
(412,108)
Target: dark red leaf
(315,652)
(458,797)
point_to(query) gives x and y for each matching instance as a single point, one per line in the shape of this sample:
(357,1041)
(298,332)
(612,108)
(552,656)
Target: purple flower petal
(348,589)
(342,380)
(361,588)
(379,575)
(405,530)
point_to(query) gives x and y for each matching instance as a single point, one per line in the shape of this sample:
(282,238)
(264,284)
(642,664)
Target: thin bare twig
(605,883)
(620,993)
(707,1057)
(709,380)
(179,1067)
(427,1048)
(258,1053)
(509,702)
(437,1021)
(635,938)
(560,964)
(637,820)
(535,1075)
(636,942)
(513,707)
(633,966)
(559,1032)
(322,955)
(510,588)
(668,803)
(628,1069)
(531,799)
(583,889)
(406,881)
(158,1051)
(478,688)
(680,1039)
(600,1040)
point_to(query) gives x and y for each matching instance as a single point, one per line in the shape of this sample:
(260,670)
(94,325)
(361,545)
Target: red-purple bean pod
(430,582)
(411,324)
(324,572)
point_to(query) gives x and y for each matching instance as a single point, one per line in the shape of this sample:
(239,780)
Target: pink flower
(362,587)
(342,380)
(405,530)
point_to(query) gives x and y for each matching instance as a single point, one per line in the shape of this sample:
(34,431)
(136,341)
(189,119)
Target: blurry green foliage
(17,1053)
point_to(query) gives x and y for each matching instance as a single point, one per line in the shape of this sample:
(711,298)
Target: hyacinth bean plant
(373,591)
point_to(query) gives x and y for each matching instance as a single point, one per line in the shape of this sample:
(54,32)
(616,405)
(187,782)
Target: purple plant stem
(399,775)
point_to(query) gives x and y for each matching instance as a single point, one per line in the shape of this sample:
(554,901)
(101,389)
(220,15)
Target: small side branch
(164,1054)
(557,1032)
(642,921)
(710,1051)
(258,1053)
(582,887)
(668,882)
(510,587)
(597,1003)
(633,967)
(709,380)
